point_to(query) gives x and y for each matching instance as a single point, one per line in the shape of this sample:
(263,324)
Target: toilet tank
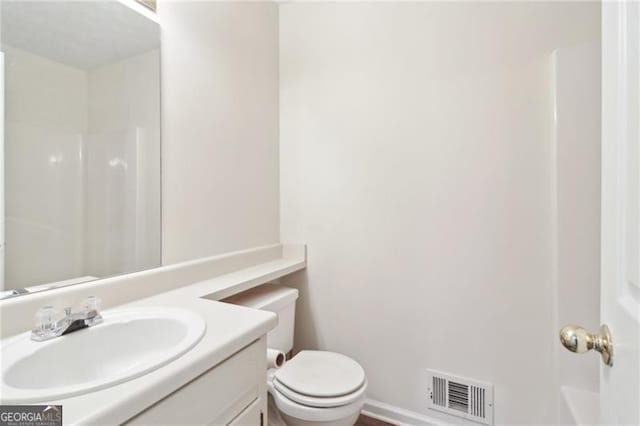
(274,298)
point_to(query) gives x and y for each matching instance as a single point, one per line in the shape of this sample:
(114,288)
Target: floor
(368,421)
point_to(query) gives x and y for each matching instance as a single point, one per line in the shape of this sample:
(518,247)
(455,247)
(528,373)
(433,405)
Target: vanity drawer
(218,396)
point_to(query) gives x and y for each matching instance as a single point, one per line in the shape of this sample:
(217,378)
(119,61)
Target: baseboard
(396,415)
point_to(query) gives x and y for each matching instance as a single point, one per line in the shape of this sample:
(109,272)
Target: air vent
(461,397)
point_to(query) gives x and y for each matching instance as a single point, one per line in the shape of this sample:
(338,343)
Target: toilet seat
(321,374)
(319,402)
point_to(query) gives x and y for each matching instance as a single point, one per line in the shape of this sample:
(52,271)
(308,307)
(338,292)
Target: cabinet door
(215,397)
(251,416)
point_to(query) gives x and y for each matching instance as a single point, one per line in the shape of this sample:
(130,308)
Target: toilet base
(276,418)
(292,421)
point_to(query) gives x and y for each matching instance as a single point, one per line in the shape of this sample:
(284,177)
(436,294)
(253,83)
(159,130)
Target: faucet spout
(48,327)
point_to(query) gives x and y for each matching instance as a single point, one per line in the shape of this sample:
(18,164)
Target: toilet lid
(321,374)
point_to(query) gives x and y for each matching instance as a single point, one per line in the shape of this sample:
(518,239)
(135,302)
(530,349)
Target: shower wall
(122,225)
(82,172)
(46,119)
(577,186)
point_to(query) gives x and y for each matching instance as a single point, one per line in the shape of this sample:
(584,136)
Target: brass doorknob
(578,340)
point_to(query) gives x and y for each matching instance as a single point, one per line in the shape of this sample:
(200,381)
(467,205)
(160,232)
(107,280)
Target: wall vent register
(460,397)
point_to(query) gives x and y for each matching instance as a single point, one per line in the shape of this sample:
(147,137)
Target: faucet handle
(89,304)
(91,307)
(92,303)
(47,322)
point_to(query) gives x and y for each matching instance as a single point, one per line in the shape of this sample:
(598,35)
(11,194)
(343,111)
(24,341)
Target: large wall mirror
(81,142)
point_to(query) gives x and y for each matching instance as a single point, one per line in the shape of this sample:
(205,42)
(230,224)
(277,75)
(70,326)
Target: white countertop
(229,329)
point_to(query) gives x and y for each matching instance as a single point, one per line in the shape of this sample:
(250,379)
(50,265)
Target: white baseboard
(396,415)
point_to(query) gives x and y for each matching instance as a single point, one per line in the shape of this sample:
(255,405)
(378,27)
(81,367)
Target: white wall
(46,118)
(220,127)
(417,163)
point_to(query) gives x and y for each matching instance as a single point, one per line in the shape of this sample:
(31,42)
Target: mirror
(81,142)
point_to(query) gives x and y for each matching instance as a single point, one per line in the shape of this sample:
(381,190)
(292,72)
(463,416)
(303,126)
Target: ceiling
(81,34)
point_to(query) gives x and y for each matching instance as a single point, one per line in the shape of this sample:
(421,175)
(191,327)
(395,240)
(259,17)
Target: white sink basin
(128,344)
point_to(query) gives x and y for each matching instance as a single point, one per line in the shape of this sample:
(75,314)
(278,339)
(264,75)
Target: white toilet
(314,388)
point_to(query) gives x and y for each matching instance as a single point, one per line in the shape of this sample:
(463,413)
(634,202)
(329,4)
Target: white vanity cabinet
(232,392)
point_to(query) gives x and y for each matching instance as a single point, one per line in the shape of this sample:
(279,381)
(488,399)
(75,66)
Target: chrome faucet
(49,324)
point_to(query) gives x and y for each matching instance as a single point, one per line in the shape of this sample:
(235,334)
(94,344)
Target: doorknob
(578,340)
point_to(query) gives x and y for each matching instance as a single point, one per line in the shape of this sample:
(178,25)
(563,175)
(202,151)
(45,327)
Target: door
(620,279)
(1,171)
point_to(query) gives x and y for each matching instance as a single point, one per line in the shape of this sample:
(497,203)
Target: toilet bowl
(314,388)
(318,388)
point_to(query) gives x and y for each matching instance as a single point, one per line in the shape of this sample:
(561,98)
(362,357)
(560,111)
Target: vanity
(221,380)
(220,376)
(231,393)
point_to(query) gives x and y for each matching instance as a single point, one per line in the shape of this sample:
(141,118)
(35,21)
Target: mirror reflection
(81,144)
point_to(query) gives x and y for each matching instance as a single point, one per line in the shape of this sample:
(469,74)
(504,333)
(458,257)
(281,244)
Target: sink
(128,344)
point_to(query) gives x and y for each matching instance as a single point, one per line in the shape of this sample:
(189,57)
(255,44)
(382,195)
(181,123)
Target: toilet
(314,388)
